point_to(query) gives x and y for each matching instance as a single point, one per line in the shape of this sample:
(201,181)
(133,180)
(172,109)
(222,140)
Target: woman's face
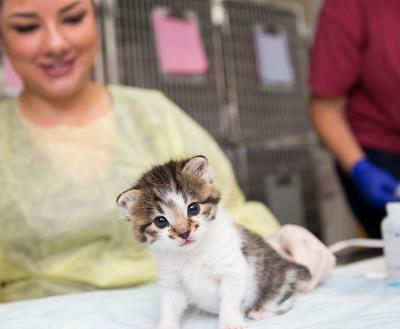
(51,43)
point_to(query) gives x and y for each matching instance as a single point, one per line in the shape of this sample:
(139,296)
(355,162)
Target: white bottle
(391,236)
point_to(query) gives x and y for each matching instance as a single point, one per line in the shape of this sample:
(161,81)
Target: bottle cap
(393,209)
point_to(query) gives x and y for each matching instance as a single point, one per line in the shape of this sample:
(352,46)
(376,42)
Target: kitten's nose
(184,235)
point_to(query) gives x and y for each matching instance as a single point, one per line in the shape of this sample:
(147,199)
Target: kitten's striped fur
(200,248)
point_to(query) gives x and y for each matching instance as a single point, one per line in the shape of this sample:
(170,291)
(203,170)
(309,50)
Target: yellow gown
(60,230)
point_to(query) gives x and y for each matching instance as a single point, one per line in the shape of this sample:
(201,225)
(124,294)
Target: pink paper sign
(11,78)
(179,46)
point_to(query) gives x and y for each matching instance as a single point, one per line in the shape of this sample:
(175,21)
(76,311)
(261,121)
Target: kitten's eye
(161,222)
(193,209)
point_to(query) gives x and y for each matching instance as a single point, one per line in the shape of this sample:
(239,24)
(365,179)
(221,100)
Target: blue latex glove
(376,185)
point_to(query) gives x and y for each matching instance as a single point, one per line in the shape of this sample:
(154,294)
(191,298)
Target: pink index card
(179,46)
(11,78)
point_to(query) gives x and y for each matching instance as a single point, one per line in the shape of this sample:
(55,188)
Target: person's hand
(301,246)
(376,185)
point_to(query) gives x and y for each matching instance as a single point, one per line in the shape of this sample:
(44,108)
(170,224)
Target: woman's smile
(58,69)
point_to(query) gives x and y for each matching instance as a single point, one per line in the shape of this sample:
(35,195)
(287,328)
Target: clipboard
(179,46)
(273,62)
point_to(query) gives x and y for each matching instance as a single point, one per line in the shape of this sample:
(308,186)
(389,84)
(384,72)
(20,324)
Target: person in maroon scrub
(355,100)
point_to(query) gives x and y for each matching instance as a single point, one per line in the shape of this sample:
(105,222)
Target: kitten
(203,258)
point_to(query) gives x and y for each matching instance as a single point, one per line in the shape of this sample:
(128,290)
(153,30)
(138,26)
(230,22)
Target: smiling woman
(52,45)
(68,146)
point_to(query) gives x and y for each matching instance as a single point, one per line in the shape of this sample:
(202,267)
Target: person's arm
(327,115)
(335,70)
(375,184)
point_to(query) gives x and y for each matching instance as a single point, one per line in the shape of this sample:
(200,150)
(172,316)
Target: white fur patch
(215,256)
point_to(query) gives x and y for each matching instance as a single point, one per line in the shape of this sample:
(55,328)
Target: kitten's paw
(257,315)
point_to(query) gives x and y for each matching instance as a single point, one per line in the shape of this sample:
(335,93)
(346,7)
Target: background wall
(338,220)
(310,8)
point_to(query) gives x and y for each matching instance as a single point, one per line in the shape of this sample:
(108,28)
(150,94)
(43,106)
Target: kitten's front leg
(172,304)
(232,290)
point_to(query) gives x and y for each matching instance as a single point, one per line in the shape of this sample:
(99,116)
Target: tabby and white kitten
(203,258)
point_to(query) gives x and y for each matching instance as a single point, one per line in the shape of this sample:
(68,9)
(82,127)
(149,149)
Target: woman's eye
(193,209)
(161,222)
(74,19)
(26,28)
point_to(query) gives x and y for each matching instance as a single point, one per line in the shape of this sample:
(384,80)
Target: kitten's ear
(127,200)
(198,166)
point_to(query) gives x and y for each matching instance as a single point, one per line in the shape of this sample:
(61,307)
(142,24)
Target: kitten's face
(172,204)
